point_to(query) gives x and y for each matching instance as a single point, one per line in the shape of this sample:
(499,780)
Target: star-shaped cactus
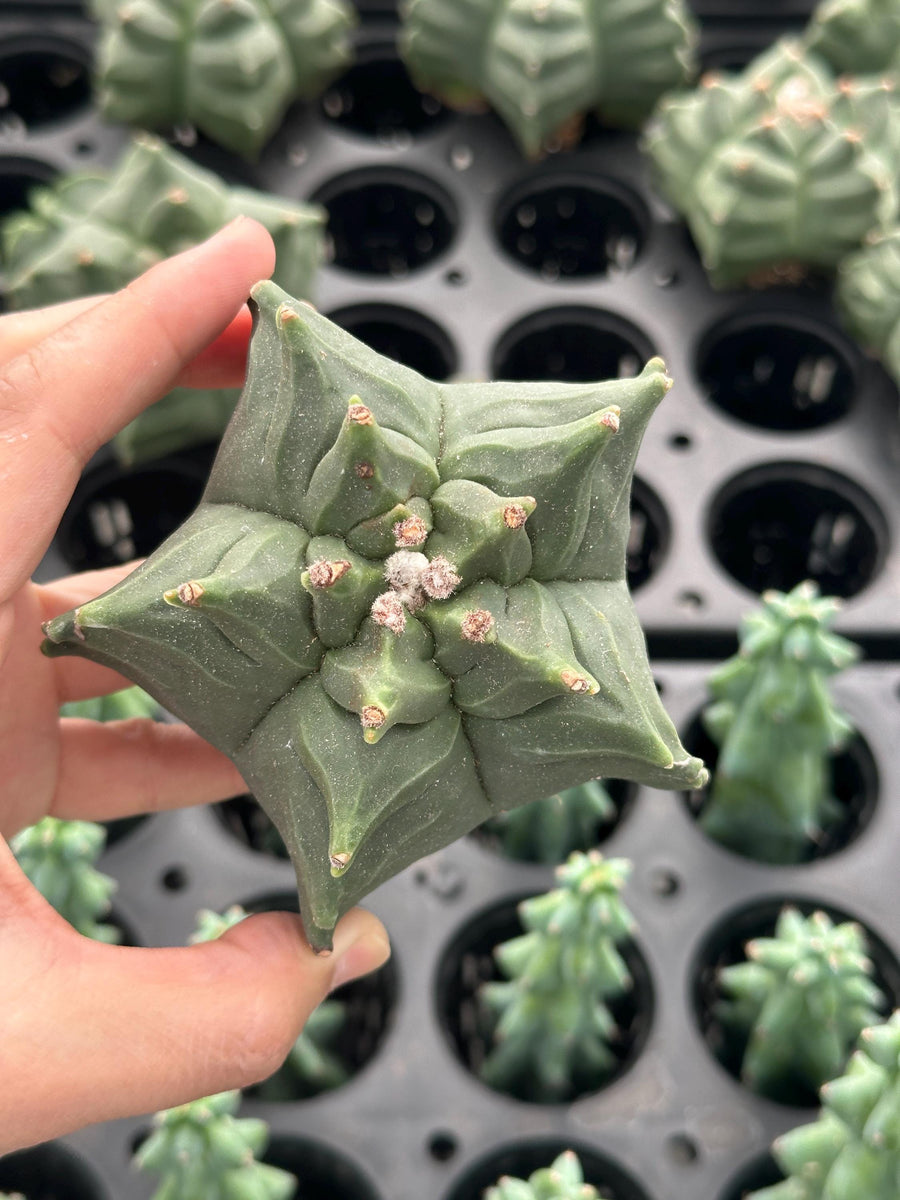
(401,606)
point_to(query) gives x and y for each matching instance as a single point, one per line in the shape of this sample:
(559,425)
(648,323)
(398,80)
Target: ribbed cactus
(776,725)
(544,64)
(401,606)
(857,37)
(549,830)
(118,706)
(779,168)
(562,1180)
(801,999)
(868,298)
(91,233)
(230,68)
(202,1151)
(58,857)
(853,1149)
(552,1028)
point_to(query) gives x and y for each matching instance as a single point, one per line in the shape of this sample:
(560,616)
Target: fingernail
(361,945)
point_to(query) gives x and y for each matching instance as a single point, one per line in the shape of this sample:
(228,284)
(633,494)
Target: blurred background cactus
(562,1180)
(549,830)
(117,706)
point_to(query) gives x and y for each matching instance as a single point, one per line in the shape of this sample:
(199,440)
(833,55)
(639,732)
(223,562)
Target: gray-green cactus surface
(549,830)
(562,1180)
(401,606)
(229,68)
(868,298)
(857,37)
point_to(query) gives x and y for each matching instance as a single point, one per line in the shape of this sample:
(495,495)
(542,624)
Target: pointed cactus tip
(189,594)
(477,625)
(610,419)
(515,515)
(358,413)
(578,684)
(339,861)
(372,717)
(325,573)
(285,314)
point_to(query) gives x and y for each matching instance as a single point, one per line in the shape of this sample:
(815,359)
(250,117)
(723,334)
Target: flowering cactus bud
(380,707)
(562,1180)
(549,830)
(868,298)
(856,36)
(230,69)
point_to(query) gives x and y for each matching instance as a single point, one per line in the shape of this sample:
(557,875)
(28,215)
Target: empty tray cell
(402,335)
(49,1172)
(17,177)
(322,1173)
(648,535)
(376,99)
(42,82)
(574,345)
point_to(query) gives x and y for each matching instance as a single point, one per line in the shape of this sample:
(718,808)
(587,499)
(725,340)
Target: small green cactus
(776,726)
(552,1029)
(853,1149)
(857,37)
(228,68)
(549,830)
(562,1180)
(58,857)
(92,233)
(400,614)
(544,64)
(801,999)
(780,168)
(868,298)
(118,706)
(202,1151)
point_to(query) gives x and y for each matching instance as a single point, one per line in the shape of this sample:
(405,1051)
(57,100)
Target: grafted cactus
(401,606)
(58,857)
(229,69)
(562,1180)
(92,233)
(801,999)
(857,37)
(118,706)
(776,725)
(549,830)
(552,1027)
(853,1148)
(868,298)
(779,168)
(202,1151)
(543,65)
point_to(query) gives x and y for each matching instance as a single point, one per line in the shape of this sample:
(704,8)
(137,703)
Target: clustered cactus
(552,1027)
(117,706)
(776,726)
(853,1148)
(90,232)
(229,69)
(401,606)
(801,999)
(545,64)
(549,830)
(562,1180)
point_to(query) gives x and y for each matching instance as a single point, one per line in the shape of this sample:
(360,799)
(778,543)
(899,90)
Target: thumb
(114,1031)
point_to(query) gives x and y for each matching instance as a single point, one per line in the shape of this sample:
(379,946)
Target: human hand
(90,1032)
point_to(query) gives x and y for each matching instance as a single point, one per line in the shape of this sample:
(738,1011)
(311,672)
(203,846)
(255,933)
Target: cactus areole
(400,606)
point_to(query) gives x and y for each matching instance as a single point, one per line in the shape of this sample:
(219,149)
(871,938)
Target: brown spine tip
(364,470)
(410,532)
(440,579)
(325,573)
(358,414)
(340,860)
(177,195)
(84,258)
(575,682)
(285,313)
(190,593)
(514,516)
(611,420)
(387,610)
(372,716)
(476,625)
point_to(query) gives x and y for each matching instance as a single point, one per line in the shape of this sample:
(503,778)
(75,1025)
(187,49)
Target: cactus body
(779,168)
(378,708)
(857,37)
(118,706)
(801,999)
(552,1026)
(58,857)
(868,298)
(562,1180)
(853,1148)
(776,725)
(544,64)
(203,1152)
(549,830)
(89,233)
(228,67)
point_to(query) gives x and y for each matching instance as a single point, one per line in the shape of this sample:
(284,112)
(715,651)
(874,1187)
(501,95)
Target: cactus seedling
(776,725)
(853,1148)
(202,1151)
(92,233)
(562,1180)
(868,298)
(58,857)
(401,606)
(801,999)
(549,830)
(856,37)
(553,1029)
(543,65)
(229,69)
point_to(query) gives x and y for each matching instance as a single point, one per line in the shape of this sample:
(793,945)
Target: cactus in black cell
(552,1028)
(857,37)
(852,1150)
(777,727)
(868,298)
(401,606)
(549,830)
(562,1180)
(801,999)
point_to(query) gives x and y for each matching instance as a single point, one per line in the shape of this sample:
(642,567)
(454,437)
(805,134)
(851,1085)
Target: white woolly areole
(404,571)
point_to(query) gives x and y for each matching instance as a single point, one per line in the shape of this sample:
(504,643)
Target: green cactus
(543,65)
(868,297)
(856,37)
(202,1152)
(58,857)
(549,830)
(357,614)
(776,725)
(780,168)
(228,68)
(311,1066)
(801,999)
(853,1148)
(118,706)
(552,1028)
(92,233)
(562,1180)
